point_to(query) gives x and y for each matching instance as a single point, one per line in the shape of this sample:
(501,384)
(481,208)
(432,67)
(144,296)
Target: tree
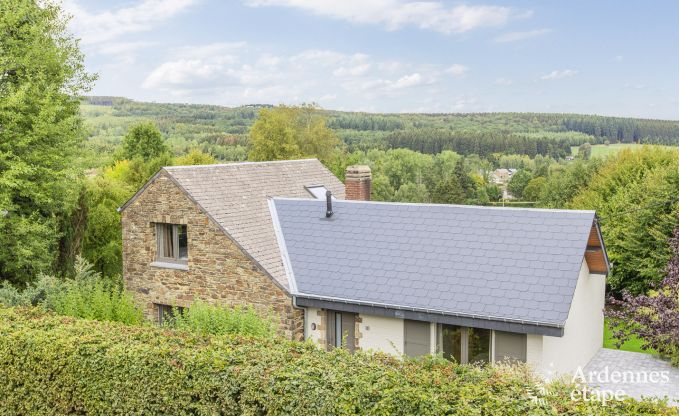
(518,183)
(143,140)
(41,78)
(585,151)
(634,194)
(464,179)
(534,189)
(412,192)
(287,132)
(652,317)
(494,192)
(449,191)
(194,157)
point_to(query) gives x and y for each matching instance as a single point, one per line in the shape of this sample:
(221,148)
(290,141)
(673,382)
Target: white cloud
(233,74)
(559,74)
(107,25)
(396,14)
(618,58)
(518,36)
(407,81)
(457,70)
(503,82)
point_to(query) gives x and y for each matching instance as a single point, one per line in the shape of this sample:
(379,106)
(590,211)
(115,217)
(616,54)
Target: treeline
(625,130)
(434,141)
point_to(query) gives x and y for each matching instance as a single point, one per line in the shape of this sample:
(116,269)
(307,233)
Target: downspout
(306,315)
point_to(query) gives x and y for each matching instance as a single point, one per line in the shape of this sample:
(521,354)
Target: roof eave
(429,315)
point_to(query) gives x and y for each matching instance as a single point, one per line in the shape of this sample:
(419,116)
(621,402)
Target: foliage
(518,183)
(534,188)
(143,140)
(205,319)
(633,343)
(565,182)
(449,191)
(291,133)
(67,366)
(652,317)
(634,194)
(90,296)
(195,157)
(585,151)
(87,295)
(412,192)
(41,76)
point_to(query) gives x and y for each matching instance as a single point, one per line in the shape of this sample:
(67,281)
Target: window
(417,338)
(172,243)
(340,330)
(510,346)
(166,313)
(318,191)
(464,345)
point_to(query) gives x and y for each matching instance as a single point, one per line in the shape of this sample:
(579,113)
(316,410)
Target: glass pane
(479,345)
(165,241)
(183,243)
(451,342)
(338,329)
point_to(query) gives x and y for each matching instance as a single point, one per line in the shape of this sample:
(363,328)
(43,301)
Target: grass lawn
(601,150)
(634,344)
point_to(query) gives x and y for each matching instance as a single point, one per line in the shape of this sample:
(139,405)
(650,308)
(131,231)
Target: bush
(54,365)
(88,295)
(654,318)
(205,319)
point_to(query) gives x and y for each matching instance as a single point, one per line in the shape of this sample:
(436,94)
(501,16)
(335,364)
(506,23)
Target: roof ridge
(282,198)
(266,162)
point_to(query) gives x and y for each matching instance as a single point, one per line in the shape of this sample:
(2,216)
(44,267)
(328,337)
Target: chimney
(357,183)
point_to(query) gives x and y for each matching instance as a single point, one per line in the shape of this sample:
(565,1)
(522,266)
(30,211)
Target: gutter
(439,316)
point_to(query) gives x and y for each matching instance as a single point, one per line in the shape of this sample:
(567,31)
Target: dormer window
(172,243)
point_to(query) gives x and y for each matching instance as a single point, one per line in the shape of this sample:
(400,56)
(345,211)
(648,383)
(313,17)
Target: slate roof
(235,196)
(516,265)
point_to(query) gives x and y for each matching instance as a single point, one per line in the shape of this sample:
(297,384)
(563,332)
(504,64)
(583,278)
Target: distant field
(601,150)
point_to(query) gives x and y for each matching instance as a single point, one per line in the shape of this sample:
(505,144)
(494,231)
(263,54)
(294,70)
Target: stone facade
(219,272)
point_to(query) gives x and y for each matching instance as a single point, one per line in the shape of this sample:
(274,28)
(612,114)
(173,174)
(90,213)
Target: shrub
(654,317)
(88,295)
(56,365)
(205,319)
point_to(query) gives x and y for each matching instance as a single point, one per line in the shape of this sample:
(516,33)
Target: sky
(593,57)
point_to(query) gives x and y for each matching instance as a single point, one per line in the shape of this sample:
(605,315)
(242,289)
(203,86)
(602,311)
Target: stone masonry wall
(218,271)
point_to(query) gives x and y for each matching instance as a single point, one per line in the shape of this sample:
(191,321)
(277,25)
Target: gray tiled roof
(494,263)
(235,196)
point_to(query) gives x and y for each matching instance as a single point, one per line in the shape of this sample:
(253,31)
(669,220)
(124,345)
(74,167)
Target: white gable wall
(583,333)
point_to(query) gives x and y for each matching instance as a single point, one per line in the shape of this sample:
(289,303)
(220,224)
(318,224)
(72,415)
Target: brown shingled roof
(235,196)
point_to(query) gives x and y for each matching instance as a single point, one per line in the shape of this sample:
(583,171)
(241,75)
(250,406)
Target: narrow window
(340,332)
(172,243)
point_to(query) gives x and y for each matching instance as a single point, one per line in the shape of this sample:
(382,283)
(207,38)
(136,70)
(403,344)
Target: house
(205,232)
(502,176)
(477,284)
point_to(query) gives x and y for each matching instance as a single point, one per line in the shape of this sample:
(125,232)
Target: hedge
(56,365)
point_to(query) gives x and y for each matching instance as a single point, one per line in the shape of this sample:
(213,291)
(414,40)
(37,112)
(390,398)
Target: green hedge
(54,365)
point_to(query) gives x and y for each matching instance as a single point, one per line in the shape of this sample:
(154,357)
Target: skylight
(318,191)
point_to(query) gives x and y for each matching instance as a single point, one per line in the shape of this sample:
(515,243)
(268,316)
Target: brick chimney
(357,183)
